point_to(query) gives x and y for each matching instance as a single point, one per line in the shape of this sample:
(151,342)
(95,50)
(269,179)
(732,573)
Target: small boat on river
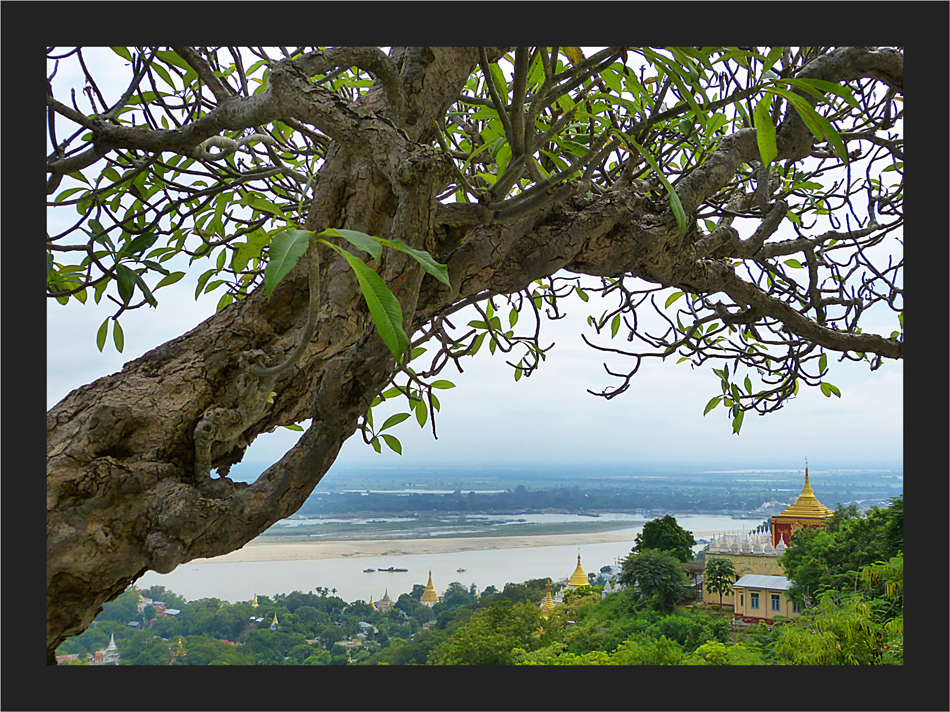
(368,571)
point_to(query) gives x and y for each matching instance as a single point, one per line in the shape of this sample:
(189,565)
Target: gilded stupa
(547,606)
(429,596)
(807,511)
(578,578)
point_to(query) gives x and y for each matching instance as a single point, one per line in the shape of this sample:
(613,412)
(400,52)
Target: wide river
(240,581)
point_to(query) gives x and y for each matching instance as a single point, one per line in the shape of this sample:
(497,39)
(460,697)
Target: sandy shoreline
(258,550)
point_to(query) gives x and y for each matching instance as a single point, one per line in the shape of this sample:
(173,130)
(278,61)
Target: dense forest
(849,577)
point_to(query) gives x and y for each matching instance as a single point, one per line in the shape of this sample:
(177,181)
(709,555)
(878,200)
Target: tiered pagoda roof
(807,505)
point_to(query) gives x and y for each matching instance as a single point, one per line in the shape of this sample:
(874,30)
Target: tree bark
(121,497)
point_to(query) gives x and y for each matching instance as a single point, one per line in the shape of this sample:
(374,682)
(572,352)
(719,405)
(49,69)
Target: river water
(240,581)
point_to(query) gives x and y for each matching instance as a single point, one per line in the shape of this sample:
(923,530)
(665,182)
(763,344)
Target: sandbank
(269,550)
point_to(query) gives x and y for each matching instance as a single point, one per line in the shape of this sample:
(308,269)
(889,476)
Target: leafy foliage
(527,120)
(664,534)
(829,560)
(718,576)
(657,577)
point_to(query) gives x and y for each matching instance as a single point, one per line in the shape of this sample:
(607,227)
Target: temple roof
(578,578)
(429,595)
(807,504)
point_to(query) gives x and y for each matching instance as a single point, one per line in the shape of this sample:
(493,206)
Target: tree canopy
(666,535)
(657,576)
(348,203)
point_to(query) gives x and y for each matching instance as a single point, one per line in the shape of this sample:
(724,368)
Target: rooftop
(774,583)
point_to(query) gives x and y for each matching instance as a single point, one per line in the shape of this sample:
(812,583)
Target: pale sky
(550,417)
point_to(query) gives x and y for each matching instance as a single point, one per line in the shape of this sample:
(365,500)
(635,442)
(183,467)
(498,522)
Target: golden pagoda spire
(373,605)
(806,511)
(548,606)
(429,596)
(807,504)
(578,578)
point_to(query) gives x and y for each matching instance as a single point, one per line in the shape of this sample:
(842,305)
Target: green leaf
(125,54)
(118,337)
(101,335)
(442,385)
(286,249)
(793,263)
(823,363)
(394,420)
(476,345)
(382,303)
(737,421)
(436,269)
(675,204)
(294,427)
(125,279)
(393,443)
(614,326)
(422,413)
(149,297)
(842,91)
(765,131)
(169,279)
(713,402)
(176,60)
(820,127)
(359,240)
(828,389)
(673,297)
(261,204)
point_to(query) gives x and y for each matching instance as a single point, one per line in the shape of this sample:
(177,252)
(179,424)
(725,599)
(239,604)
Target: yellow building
(749,553)
(763,597)
(429,596)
